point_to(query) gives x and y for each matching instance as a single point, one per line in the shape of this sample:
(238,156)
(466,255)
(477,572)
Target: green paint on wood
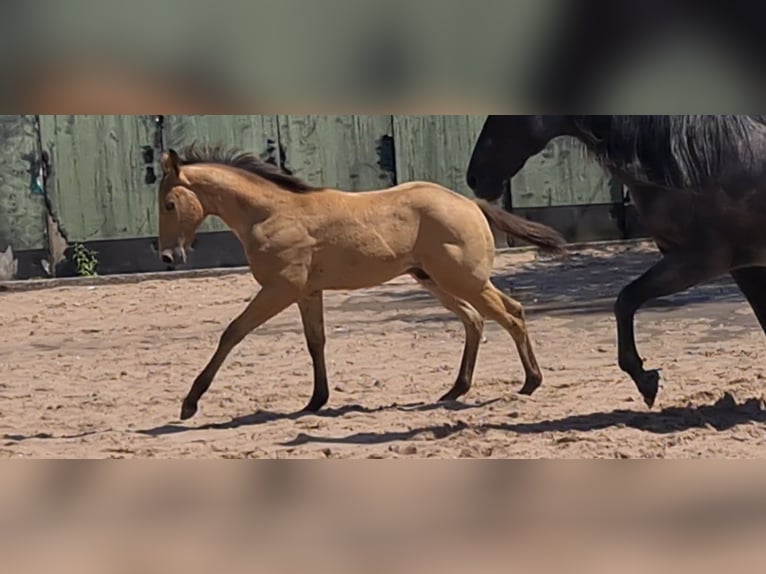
(436,148)
(337,151)
(98,186)
(562,174)
(22,212)
(246,132)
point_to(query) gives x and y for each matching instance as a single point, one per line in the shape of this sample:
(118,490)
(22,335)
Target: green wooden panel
(337,151)
(436,148)
(99,189)
(22,212)
(562,174)
(246,132)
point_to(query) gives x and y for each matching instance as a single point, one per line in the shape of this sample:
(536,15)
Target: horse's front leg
(672,274)
(312,315)
(269,302)
(752,282)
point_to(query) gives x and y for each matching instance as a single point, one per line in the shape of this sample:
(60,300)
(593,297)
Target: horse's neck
(238,206)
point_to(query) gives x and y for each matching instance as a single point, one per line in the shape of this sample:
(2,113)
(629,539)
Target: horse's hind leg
(312,316)
(752,282)
(495,305)
(672,274)
(267,303)
(473,323)
(516,310)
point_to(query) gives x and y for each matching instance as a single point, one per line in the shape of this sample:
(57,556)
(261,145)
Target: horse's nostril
(168,259)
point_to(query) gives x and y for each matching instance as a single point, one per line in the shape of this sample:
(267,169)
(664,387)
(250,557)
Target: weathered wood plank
(98,188)
(341,151)
(247,132)
(256,133)
(436,148)
(562,174)
(22,211)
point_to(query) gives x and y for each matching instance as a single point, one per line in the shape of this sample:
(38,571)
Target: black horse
(698,184)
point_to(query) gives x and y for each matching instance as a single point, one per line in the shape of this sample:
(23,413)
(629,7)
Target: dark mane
(248,162)
(694,151)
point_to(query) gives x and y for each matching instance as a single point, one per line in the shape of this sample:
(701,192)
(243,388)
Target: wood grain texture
(337,151)
(562,174)
(436,148)
(22,213)
(98,188)
(247,132)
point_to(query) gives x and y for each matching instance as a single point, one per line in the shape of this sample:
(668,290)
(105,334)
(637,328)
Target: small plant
(85,260)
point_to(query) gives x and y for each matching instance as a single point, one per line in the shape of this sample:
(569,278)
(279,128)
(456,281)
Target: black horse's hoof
(188,410)
(648,385)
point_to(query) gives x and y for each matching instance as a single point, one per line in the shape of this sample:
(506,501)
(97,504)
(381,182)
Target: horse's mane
(675,151)
(248,162)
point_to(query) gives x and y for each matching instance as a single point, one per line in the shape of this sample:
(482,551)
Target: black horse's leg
(752,283)
(672,274)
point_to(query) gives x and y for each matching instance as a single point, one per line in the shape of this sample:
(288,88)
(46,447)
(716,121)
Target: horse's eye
(170,206)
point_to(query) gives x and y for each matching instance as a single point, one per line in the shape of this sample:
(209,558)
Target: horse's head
(181,211)
(504,146)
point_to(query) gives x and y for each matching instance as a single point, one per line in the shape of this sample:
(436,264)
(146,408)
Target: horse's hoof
(530,386)
(458,390)
(314,406)
(648,386)
(188,411)
(452,395)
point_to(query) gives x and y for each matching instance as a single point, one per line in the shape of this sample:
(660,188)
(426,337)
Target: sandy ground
(99,371)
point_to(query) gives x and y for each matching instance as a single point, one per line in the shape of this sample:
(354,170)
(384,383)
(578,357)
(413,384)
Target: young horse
(698,183)
(301,240)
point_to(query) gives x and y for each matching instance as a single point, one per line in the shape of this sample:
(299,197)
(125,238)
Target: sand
(99,371)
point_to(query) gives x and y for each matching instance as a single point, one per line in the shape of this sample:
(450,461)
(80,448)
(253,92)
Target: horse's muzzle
(175,256)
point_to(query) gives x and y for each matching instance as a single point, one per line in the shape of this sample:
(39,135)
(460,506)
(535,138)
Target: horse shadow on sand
(723,415)
(263,417)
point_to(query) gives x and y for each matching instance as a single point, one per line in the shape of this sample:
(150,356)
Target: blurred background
(376,516)
(397,56)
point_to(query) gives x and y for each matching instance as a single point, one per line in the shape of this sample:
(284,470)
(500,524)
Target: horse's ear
(170,162)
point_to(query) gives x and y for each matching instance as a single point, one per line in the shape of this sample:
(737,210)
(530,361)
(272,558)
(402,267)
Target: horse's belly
(684,221)
(355,272)
(675,220)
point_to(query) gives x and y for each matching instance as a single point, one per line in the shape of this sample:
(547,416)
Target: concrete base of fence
(216,249)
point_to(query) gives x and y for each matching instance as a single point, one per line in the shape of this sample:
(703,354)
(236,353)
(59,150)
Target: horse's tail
(537,234)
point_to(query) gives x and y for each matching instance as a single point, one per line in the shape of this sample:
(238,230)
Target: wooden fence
(92,179)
